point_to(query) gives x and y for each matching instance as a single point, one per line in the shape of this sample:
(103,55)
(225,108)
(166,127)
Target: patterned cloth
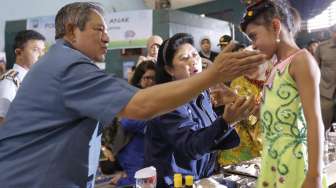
(284,156)
(249,130)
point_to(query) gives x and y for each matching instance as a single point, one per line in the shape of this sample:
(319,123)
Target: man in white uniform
(28,47)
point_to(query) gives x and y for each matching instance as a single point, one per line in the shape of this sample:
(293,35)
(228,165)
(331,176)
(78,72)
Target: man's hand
(240,109)
(229,65)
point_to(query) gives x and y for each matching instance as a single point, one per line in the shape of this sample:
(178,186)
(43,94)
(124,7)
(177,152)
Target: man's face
(93,40)
(30,53)
(206,45)
(153,45)
(154,50)
(312,47)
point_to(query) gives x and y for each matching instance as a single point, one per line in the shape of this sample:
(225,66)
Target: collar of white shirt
(21,71)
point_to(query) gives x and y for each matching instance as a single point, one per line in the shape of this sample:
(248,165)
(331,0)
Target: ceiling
(176,4)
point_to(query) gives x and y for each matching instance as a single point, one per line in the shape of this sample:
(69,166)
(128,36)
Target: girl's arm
(306,73)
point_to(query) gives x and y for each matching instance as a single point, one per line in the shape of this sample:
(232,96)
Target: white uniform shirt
(8,89)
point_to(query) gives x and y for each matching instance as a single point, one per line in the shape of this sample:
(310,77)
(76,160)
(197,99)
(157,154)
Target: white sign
(44,25)
(129,29)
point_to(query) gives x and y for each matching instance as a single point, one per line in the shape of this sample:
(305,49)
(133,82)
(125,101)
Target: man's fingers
(229,47)
(248,63)
(244,54)
(224,56)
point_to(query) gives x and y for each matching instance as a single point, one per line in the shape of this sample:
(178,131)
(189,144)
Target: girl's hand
(312,182)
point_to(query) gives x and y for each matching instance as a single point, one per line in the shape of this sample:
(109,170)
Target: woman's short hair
(166,54)
(140,70)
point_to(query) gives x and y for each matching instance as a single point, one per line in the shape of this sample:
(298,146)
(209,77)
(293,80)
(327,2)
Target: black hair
(166,54)
(77,13)
(140,70)
(238,46)
(24,36)
(207,39)
(262,13)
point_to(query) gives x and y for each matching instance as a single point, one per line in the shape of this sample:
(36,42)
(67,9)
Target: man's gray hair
(75,13)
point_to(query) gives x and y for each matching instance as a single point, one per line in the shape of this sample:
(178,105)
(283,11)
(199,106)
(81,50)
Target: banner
(129,29)
(44,25)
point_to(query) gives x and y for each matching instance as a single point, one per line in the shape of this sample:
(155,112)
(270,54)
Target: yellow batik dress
(248,130)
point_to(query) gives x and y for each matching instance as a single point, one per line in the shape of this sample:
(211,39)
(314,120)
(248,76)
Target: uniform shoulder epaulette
(11,75)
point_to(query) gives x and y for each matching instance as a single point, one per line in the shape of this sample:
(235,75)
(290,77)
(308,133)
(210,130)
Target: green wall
(11,29)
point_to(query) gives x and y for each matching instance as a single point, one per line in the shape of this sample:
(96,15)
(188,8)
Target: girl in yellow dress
(292,127)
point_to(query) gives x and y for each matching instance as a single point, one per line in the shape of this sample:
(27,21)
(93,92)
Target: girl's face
(263,39)
(186,62)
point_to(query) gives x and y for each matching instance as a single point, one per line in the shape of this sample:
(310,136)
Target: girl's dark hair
(166,54)
(140,70)
(262,13)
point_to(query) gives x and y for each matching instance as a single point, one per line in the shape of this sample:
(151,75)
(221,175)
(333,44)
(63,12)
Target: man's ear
(17,51)
(70,32)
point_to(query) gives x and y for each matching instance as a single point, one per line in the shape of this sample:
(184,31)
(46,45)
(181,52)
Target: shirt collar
(21,71)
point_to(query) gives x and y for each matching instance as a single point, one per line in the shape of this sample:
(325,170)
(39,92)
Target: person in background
(292,126)
(184,140)
(2,63)
(224,41)
(326,58)
(206,52)
(54,123)
(28,46)
(153,44)
(131,156)
(312,46)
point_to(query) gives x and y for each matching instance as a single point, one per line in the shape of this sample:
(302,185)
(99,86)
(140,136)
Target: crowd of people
(181,110)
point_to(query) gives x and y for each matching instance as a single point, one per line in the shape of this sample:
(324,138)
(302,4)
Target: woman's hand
(222,95)
(240,109)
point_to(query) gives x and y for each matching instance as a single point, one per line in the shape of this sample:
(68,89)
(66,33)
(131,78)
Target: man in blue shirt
(51,135)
